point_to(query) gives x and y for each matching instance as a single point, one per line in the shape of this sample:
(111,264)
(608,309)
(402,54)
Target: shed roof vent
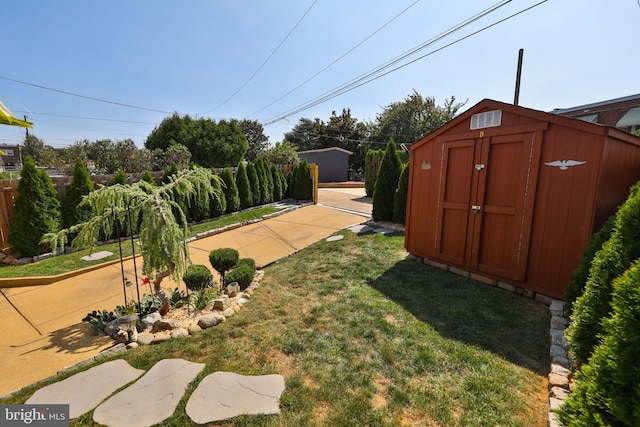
(486,120)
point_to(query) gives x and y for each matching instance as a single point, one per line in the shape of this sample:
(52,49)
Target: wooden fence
(9,192)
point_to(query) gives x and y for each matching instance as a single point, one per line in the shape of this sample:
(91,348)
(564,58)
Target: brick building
(622,113)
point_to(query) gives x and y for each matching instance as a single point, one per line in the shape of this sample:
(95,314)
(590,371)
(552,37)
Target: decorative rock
(23,261)
(556,380)
(557,350)
(360,229)
(221,303)
(158,338)
(118,348)
(229,312)
(241,301)
(180,333)
(259,275)
(335,238)
(232,289)
(132,345)
(236,308)
(558,322)
(207,322)
(145,338)
(557,337)
(194,329)
(560,370)
(224,395)
(165,325)
(156,395)
(555,404)
(85,390)
(553,420)
(9,259)
(96,256)
(148,320)
(559,393)
(560,360)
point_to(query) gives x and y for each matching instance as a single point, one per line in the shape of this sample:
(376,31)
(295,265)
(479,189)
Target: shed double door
(485,198)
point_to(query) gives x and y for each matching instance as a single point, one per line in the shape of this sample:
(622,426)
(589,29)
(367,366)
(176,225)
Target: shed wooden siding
(534,219)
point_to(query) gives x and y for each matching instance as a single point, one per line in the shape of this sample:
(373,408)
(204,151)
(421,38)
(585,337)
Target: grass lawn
(65,263)
(366,338)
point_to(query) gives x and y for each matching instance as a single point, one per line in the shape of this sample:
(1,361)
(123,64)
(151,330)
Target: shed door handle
(475,208)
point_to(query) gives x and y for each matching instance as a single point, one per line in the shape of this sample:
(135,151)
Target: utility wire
(265,62)
(84,96)
(368,77)
(338,59)
(87,118)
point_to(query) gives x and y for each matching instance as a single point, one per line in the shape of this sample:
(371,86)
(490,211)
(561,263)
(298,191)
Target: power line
(84,96)
(368,77)
(87,118)
(265,62)
(371,76)
(338,59)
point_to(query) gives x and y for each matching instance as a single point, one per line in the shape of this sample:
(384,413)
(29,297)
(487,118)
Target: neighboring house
(12,157)
(622,113)
(333,163)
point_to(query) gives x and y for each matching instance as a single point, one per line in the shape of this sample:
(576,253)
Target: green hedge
(197,277)
(386,184)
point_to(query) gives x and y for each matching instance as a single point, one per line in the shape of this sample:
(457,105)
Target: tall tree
(257,141)
(36,210)
(306,134)
(43,155)
(244,187)
(409,120)
(230,190)
(81,185)
(282,153)
(386,184)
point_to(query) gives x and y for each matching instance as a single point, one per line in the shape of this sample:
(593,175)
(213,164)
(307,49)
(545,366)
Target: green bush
(249,262)
(81,185)
(230,190)
(371,166)
(265,195)
(36,210)
(291,181)
(197,277)
(278,191)
(119,178)
(270,181)
(303,187)
(254,183)
(169,172)
(218,201)
(242,275)
(611,261)
(222,260)
(606,390)
(386,184)
(244,187)
(400,198)
(580,275)
(148,177)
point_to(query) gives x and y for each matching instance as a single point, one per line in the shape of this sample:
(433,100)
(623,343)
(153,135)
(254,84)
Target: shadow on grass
(509,325)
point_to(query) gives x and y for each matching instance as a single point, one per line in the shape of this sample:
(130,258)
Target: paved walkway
(42,332)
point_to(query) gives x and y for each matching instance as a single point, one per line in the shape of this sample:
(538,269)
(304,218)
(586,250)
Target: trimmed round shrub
(250,262)
(230,190)
(386,184)
(197,277)
(242,275)
(222,260)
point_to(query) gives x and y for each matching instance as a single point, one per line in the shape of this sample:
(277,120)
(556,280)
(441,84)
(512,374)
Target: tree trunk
(166,301)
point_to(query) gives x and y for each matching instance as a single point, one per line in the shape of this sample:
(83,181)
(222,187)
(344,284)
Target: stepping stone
(360,229)
(335,238)
(224,395)
(85,390)
(96,255)
(382,231)
(151,399)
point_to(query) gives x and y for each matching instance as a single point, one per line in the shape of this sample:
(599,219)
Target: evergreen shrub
(303,187)
(230,190)
(197,277)
(119,178)
(254,183)
(400,198)
(36,210)
(371,166)
(222,260)
(386,184)
(245,193)
(616,255)
(218,200)
(242,275)
(81,185)
(278,191)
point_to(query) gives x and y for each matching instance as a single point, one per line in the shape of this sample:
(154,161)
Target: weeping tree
(162,235)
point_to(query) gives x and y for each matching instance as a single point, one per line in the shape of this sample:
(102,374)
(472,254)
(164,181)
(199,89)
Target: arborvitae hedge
(270,183)
(81,185)
(580,275)
(303,187)
(616,255)
(607,388)
(254,182)
(148,177)
(372,162)
(291,181)
(36,210)
(244,187)
(230,190)
(278,191)
(400,198)
(386,184)
(263,182)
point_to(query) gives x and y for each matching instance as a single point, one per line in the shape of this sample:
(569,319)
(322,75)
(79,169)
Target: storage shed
(511,195)
(333,163)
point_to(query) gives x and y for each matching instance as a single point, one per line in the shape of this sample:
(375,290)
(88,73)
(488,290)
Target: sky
(115,69)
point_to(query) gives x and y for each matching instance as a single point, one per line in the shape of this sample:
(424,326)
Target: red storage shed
(512,195)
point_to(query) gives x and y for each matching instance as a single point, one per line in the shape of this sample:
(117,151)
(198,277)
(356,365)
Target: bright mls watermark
(34,415)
